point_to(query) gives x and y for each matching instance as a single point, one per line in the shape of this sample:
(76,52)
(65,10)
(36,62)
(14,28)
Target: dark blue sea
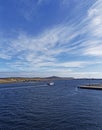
(36,106)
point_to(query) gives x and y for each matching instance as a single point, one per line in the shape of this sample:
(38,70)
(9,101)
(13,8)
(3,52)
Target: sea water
(37,106)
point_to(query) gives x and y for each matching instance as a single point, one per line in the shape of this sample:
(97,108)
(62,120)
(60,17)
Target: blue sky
(51,37)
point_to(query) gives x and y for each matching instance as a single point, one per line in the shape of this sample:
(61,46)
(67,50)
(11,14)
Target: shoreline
(39,79)
(22,79)
(16,80)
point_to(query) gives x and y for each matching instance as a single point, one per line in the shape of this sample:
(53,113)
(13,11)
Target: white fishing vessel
(50,83)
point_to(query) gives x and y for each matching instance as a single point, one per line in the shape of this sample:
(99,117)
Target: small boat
(50,83)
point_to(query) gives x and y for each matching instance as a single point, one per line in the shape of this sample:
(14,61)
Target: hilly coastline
(27,79)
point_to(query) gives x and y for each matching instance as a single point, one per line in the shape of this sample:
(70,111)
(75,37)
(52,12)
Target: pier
(91,86)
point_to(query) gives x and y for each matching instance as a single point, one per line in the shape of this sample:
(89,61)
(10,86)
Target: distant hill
(56,77)
(53,77)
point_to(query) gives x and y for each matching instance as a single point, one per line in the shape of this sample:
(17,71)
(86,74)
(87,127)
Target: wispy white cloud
(30,8)
(4,56)
(50,43)
(42,52)
(94,30)
(37,52)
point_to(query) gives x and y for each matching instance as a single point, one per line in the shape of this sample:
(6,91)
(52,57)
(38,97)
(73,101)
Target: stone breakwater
(91,86)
